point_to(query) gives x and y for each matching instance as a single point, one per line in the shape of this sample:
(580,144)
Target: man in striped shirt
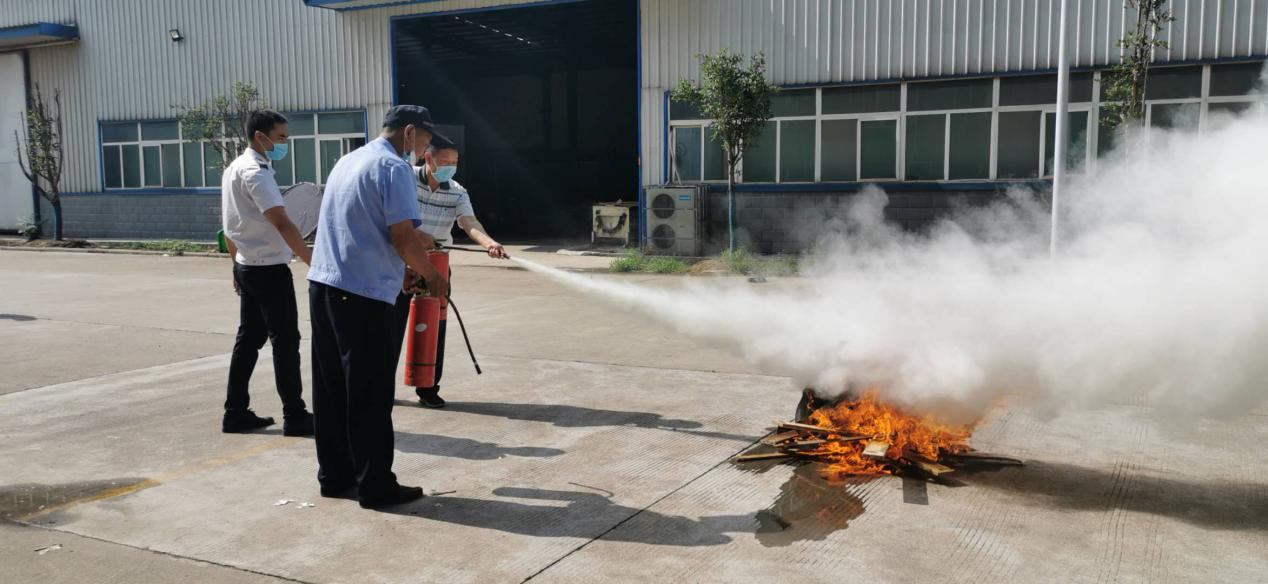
(443,202)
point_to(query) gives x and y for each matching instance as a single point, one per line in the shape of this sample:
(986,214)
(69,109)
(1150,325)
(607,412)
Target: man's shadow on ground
(807,508)
(580,514)
(437,445)
(568,416)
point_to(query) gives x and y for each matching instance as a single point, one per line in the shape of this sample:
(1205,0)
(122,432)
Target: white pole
(1063,107)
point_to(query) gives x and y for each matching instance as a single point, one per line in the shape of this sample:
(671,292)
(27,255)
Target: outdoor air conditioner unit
(673,219)
(612,222)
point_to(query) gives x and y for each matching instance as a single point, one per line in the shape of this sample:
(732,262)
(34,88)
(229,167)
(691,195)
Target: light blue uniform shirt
(369,189)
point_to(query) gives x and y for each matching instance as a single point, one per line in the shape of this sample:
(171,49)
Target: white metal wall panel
(15,191)
(126,67)
(824,41)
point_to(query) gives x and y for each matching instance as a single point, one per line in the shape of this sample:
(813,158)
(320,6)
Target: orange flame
(869,417)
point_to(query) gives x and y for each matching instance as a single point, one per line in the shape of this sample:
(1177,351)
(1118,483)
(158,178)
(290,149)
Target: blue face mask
(278,151)
(444,173)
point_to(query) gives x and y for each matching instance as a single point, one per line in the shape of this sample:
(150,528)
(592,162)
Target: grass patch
(632,261)
(172,246)
(635,261)
(663,265)
(741,261)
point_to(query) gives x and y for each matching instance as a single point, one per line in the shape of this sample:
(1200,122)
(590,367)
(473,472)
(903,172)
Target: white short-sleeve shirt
(442,207)
(248,189)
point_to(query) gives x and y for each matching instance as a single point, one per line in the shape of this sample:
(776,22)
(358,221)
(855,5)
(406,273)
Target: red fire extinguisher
(425,315)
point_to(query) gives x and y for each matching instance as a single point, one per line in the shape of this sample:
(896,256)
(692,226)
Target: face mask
(444,173)
(408,154)
(278,151)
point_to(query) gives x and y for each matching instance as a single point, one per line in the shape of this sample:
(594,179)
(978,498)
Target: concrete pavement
(594,447)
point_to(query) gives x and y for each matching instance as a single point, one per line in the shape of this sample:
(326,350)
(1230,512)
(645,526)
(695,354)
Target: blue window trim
(333,4)
(146,192)
(155,191)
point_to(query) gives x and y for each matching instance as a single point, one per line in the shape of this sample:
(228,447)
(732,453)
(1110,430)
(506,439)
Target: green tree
(737,97)
(221,121)
(40,151)
(1125,82)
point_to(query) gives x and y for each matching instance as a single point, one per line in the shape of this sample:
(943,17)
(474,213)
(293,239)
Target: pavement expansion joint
(637,513)
(168,554)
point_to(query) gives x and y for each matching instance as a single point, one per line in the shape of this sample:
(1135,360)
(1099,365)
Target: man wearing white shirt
(443,203)
(261,240)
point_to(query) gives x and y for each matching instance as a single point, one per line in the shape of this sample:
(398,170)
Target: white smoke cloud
(1158,295)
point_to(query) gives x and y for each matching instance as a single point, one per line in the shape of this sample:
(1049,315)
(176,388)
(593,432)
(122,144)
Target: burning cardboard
(863,436)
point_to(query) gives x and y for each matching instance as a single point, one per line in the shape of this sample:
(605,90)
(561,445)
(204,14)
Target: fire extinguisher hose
(464,334)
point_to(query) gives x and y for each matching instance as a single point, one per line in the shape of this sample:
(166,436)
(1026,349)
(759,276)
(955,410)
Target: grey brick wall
(192,217)
(788,222)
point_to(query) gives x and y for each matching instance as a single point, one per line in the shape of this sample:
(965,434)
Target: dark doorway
(543,102)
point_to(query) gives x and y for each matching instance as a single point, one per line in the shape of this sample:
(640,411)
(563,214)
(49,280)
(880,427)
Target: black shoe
(298,425)
(339,491)
(396,495)
(241,421)
(430,397)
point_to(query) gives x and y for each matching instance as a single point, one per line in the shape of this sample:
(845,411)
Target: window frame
(1091,155)
(345,138)
(318,137)
(141,143)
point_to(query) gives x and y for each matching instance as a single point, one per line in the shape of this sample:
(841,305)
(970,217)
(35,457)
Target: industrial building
(559,104)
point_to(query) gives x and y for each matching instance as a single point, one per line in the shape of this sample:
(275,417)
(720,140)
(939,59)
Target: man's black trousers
(354,368)
(266,313)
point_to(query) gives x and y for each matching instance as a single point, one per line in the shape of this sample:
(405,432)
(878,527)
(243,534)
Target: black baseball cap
(403,115)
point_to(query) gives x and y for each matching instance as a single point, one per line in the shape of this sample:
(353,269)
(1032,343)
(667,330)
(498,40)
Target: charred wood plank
(763,456)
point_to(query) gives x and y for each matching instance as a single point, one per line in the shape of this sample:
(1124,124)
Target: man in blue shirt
(365,238)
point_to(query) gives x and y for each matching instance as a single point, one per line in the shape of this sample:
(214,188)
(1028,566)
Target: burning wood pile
(863,436)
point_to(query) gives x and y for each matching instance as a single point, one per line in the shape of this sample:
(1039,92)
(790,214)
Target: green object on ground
(636,261)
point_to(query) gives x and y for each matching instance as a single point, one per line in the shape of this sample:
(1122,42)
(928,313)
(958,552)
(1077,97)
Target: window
(759,157)
(683,110)
(141,154)
(839,150)
(1076,140)
(878,149)
(946,95)
(789,103)
(687,153)
(317,142)
(969,156)
(861,99)
(926,146)
(1042,89)
(797,151)
(714,157)
(859,135)
(153,154)
(1174,116)
(1018,148)
(1232,80)
(1174,83)
(696,155)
